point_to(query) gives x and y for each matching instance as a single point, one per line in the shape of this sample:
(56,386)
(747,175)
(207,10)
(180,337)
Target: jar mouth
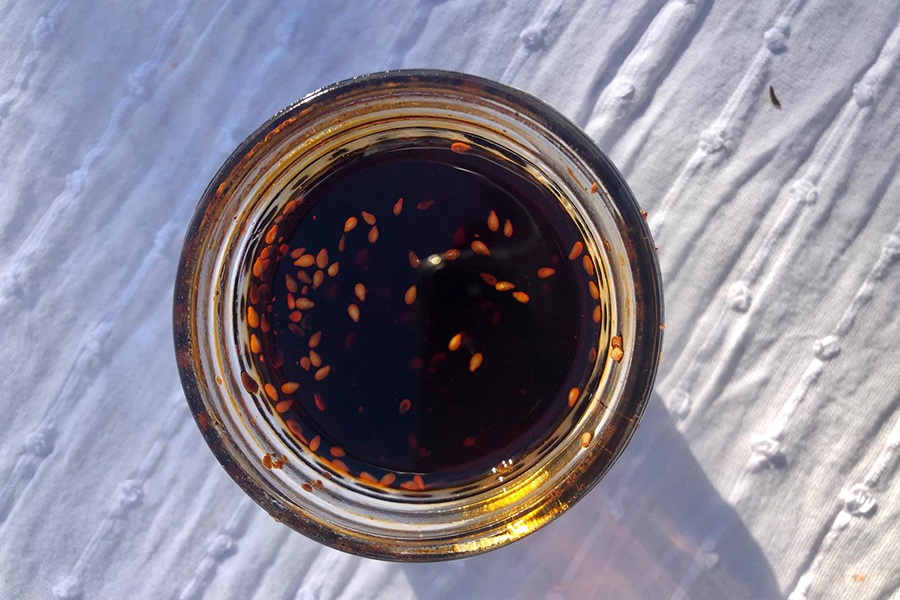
(275,457)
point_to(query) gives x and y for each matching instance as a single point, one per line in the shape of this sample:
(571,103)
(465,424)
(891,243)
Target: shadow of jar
(653,528)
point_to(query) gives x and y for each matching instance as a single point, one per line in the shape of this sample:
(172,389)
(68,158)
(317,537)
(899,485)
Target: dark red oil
(425,369)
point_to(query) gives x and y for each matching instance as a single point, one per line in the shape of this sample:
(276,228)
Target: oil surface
(425,312)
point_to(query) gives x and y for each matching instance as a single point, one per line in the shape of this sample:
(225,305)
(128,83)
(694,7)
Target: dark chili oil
(447,329)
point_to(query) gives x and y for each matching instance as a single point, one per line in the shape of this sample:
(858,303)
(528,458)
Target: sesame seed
(270,391)
(451,254)
(577,249)
(295,428)
(284,406)
(249,383)
(455,342)
(296,316)
(267,460)
(521,297)
(597,314)
(420,483)
(322,373)
(315,442)
(413,260)
(337,451)
(291,283)
(339,465)
(616,341)
(306,487)
(388,479)
(333,269)
(307,260)
(360,291)
(353,311)
(255,345)
(373,235)
(297,253)
(489,279)
(469,441)
(320,403)
(573,396)
(369,218)
(289,387)
(460,147)
(545,272)
(304,277)
(586,438)
(367,477)
(507,228)
(504,286)
(588,265)
(315,359)
(616,354)
(322,258)
(304,362)
(304,303)
(425,204)
(291,302)
(252,317)
(272,235)
(264,324)
(318,279)
(405,405)
(398,207)
(479,247)
(475,361)
(493,222)
(314,339)
(350,224)
(595,291)
(342,243)
(410,296)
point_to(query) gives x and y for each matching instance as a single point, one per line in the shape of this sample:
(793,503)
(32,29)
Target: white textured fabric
(768,463)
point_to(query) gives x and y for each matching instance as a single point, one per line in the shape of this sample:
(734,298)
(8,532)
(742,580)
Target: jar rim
(194,317)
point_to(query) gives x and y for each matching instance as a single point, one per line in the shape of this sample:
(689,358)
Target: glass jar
(269,176)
